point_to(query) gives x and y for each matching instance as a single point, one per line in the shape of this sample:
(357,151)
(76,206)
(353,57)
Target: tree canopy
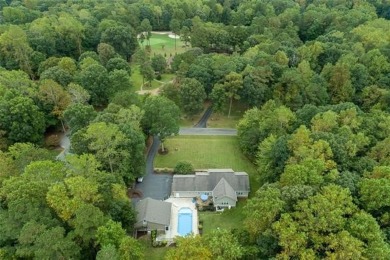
(311,79)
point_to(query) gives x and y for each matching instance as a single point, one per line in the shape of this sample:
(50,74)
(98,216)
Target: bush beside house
(183,168)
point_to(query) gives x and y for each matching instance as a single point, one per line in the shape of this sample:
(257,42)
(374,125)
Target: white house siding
(224,202)
(189,194)
(242,194)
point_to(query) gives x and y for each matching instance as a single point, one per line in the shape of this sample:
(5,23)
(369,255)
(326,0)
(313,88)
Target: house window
(166,228)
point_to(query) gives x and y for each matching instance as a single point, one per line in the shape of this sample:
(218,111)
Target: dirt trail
(153,92)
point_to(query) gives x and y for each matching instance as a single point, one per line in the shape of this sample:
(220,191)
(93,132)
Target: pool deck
(177,204)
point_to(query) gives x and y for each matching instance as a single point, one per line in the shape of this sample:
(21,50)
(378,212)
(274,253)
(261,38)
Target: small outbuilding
(153,215)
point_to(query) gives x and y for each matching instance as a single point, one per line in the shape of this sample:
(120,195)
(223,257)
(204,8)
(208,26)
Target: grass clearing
(228,219)
(164,45)
(221,120)
(136,79)
(207,152)
(186,121)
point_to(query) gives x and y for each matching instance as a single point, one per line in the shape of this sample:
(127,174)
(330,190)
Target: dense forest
(313,74)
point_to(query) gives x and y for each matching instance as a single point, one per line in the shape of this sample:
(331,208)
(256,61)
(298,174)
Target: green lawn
(152,253)
(187,121)
(221,119)
(228,219)
(157,41)
(136,79)
(206,152)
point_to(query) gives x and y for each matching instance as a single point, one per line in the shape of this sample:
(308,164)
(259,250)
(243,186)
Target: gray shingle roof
(154,211)
(206,181)
(223,189)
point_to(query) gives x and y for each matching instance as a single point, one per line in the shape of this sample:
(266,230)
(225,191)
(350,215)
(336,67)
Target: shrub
(183,168)
(153,236)
(159,243)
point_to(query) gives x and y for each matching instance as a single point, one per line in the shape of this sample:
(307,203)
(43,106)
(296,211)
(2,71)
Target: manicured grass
(153,253)
(136,77)
(186,121)
(228,219)
(158,40)
(222,121)
(207,152)
(167,77)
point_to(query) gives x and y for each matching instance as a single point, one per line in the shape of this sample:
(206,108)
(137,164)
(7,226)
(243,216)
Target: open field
(206,152)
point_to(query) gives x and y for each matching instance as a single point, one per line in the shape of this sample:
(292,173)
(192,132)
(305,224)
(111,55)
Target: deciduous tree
(21,119)
(161,117)
(192,96)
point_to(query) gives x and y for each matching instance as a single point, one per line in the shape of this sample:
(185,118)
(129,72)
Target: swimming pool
(184,225)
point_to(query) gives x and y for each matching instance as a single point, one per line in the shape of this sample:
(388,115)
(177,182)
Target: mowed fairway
(157,41)
(206,152)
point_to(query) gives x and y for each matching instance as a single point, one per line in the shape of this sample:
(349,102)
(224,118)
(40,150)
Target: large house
(224,186)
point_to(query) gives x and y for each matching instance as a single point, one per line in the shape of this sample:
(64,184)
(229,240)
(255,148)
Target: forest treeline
(314,75)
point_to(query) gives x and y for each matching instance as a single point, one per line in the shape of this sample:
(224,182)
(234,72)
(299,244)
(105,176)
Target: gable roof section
(154,211)
(206,181)
(223,189)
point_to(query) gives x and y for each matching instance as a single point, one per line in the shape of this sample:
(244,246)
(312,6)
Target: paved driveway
(207,131)
(155,186)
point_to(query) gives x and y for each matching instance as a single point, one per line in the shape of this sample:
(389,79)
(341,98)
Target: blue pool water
(184,225)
